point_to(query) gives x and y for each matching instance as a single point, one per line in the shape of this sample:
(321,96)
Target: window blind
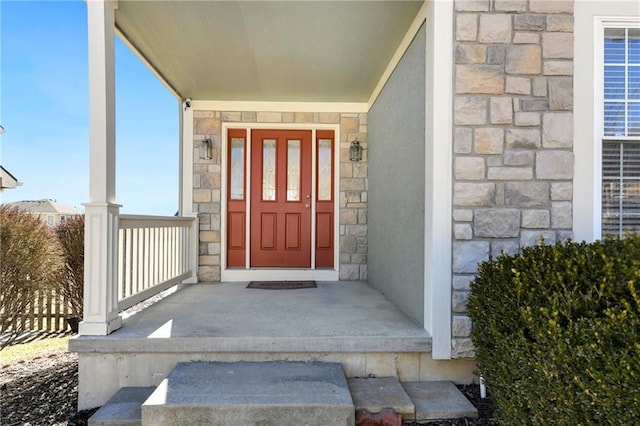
(621,132)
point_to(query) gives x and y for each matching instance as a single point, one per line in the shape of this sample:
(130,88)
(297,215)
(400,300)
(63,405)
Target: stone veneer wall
(513,136)
(207,191)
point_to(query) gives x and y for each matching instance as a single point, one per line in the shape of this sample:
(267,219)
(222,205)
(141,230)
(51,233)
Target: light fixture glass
(206,149)
(355,151)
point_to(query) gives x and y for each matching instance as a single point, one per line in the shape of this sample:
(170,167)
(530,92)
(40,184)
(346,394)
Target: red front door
(281,198)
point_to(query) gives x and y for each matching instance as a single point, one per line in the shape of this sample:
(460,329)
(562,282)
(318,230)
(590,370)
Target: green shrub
(71,237)
(557,333)
(30,260)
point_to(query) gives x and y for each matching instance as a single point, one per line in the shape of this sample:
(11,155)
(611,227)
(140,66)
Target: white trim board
(248,273)
(590,20)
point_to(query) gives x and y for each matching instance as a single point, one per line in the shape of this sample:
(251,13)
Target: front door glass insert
(237,169)
(293,170)
(269,170)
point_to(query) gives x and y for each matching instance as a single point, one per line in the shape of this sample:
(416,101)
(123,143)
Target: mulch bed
(44,391)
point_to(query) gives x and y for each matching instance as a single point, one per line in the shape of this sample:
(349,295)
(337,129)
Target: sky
(44,103)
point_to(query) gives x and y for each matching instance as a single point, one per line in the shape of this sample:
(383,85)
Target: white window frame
(589,107)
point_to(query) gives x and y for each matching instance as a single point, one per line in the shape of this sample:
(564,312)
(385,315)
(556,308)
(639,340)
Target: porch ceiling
(295,51)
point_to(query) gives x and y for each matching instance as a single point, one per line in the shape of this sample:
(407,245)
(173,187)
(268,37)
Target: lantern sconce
(355,151)
(206,149)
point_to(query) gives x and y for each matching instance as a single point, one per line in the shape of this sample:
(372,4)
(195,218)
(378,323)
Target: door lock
(307,196)
(307,205)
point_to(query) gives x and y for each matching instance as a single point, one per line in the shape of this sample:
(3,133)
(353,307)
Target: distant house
(7,180)
(49,211)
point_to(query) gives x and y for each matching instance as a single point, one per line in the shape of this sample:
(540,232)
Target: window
(621,131)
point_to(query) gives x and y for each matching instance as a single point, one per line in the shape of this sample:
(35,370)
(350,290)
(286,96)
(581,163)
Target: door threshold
(275,274)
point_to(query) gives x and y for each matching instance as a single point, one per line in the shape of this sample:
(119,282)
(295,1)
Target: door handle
(307,196)
(307,205)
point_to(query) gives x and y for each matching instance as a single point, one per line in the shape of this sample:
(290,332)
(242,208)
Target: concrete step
(123,409)
(282,393)
(377,393)
(420,401)
(438,401)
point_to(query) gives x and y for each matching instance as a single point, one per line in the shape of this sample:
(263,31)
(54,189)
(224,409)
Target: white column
(186,185)
(438,185)
(101,213)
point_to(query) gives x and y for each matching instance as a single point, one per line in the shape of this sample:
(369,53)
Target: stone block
(561,191)
(501,110)
(536,219)
(269,117)
(462,348)
(349,272)
(471,54)
(462,282)
(564,235)
(348,216)
(462,231)
(472,5)
(207,126)
(201,195)
(560,23)
(495,28)
(349,124)
(249,116)
(288,117)
(357,230)
(470,110)
(539,85)
(469,168)
(459,300)
(352,184)
(461,326)
(557,45)
(463,215)
(480,194)
(328,117)
(496,55)
(535,104)
(518,158)
(210,181)
(523,138)
(467,255)
(496,223)
(523,59)
(534,238)
(487,79)
(551,6)
(303,117)
(560,93)
(231,116)
(557,130)
(558,67)
(489,140)
(561,214)
(526,38)
(527,194)
(510,173)
(518,86)
(466,27)
(527,119)
(508,248)
(463,140)
(556,165)
(510,5)
(528,22)
(360,170)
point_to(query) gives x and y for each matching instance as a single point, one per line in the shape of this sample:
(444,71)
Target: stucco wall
(396,184)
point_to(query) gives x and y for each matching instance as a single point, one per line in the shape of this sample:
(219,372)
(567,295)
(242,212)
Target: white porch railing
(154,253)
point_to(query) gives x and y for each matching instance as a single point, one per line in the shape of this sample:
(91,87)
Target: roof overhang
(270,51)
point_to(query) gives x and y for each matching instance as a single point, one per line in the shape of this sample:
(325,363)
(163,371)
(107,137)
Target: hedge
(557,333)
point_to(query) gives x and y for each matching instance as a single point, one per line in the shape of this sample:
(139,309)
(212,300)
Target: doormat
(281,285)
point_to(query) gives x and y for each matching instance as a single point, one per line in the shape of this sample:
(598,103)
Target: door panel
(280,198)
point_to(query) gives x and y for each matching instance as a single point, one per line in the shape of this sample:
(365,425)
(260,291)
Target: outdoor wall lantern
(206,149)
(355,151)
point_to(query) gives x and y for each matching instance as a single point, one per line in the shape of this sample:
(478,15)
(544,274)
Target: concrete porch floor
(228,317)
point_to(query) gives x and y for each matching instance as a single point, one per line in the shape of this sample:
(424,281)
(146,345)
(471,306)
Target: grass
(38,349)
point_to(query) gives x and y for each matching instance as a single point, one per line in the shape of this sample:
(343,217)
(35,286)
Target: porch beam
(101,213)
